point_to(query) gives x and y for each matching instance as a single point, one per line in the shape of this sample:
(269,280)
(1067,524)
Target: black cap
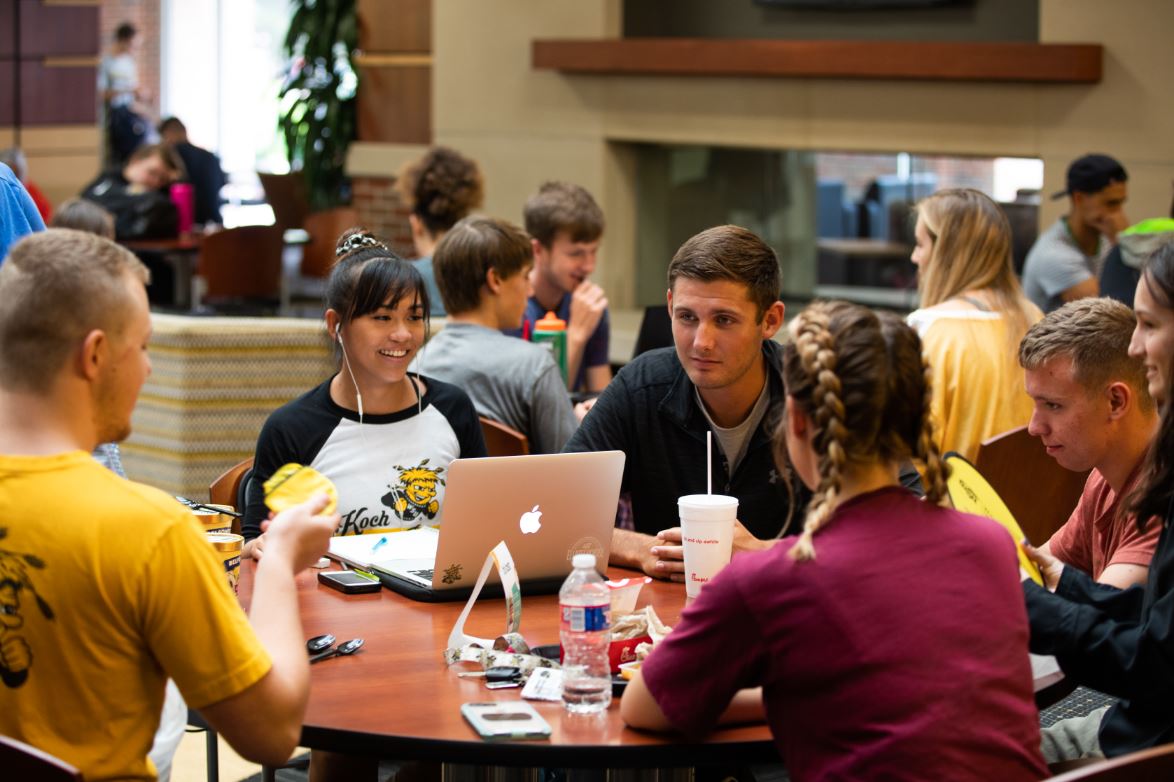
(1091,174)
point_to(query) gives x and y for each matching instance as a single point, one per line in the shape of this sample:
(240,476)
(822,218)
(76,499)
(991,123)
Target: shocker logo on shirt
(16,656)
(414,497)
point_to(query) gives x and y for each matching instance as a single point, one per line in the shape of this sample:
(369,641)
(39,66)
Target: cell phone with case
(506,721)
(349,581)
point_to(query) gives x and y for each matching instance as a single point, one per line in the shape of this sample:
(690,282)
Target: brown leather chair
(500,440)
(22,761)
(1040,494)
(241,268)
(1147,765)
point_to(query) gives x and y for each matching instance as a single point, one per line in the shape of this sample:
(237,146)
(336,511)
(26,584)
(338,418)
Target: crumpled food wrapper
(638,624)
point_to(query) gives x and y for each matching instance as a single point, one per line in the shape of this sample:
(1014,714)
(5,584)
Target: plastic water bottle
(585,605)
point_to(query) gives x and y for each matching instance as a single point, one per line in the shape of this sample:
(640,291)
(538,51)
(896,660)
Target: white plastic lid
(708,507)
(583,560)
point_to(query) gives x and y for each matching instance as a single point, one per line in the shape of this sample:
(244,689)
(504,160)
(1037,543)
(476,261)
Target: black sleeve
(462,416)
(608,426)
(1100,643)
(293,433)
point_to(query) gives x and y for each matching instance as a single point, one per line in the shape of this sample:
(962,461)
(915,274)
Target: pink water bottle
(184,198)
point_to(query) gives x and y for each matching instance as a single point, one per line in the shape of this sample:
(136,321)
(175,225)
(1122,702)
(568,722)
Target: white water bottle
(585,633)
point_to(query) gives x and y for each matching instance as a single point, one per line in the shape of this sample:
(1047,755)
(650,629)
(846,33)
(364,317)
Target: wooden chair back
(242,263)
(22,761)
(501,440)
(1040,494)
(1147,765)
(324,229)
(286,194)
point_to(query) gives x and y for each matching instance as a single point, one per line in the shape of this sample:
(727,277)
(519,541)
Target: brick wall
(381,211)
(144,15)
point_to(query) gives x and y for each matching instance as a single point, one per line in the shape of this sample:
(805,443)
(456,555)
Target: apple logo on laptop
(531,521)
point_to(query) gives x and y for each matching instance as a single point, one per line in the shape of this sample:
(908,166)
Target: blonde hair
(971,251)
(861,378)
(56,287)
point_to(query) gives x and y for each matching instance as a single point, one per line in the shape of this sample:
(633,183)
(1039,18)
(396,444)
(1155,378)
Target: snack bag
(293,484)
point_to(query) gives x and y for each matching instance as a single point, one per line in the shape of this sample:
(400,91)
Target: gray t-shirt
(1055,263)
(735,440)
(509,380)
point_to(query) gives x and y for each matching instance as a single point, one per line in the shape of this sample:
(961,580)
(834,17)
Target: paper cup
(707,535)
(228,548)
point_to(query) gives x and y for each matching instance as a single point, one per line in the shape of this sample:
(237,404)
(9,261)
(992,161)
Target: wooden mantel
(919,60)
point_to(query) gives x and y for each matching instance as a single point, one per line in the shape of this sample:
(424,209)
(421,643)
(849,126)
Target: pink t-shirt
(899,652)
(1095,536)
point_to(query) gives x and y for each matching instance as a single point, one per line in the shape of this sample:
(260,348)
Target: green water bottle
(551,331)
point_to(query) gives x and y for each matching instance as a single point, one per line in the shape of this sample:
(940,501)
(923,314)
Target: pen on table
(379,544)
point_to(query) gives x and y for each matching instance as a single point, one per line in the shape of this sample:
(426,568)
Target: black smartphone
(349,581)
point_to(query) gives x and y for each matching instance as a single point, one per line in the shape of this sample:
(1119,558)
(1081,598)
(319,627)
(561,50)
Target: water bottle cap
(550,322)
(583,560)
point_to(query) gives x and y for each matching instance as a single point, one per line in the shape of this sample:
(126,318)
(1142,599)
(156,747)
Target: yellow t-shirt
(107,588)
(977,381)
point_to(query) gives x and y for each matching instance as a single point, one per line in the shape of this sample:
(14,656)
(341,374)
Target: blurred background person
(439,190)
(973,315)
(15,159)
(203,170)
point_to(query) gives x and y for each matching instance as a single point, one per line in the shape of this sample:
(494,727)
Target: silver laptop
(546,508)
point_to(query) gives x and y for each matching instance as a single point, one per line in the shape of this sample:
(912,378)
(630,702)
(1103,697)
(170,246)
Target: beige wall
(524,126)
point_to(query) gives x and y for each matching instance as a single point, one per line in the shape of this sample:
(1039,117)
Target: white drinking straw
(709,462)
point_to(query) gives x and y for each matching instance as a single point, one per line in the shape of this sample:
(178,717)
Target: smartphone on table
(505,720)
(349,581)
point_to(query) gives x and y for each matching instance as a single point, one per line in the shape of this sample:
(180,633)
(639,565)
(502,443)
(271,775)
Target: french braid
(936,469)
(817,352)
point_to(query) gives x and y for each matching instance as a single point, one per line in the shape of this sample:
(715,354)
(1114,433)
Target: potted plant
(317,98)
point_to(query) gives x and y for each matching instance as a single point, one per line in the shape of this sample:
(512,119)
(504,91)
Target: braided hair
(861,379)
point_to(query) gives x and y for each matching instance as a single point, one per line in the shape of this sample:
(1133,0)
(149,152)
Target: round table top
(397,697)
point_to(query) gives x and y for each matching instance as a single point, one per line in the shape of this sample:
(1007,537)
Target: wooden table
(396,698)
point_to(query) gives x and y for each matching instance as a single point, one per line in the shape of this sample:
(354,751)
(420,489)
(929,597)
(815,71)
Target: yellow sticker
(970,493)
(293,484)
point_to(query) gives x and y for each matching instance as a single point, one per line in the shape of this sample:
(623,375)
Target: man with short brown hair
(722,376)
(108,587)
(482,267)
(1093,412)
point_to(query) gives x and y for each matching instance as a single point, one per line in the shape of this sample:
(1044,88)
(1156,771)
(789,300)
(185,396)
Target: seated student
(722,376)
(1094,412)
(869,664)
(1120,641)
(439,189)
(83,215)
(202,168)
(566,226)
(136,194)
(92,626)
(973,314)
(482,266)
(384,435)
